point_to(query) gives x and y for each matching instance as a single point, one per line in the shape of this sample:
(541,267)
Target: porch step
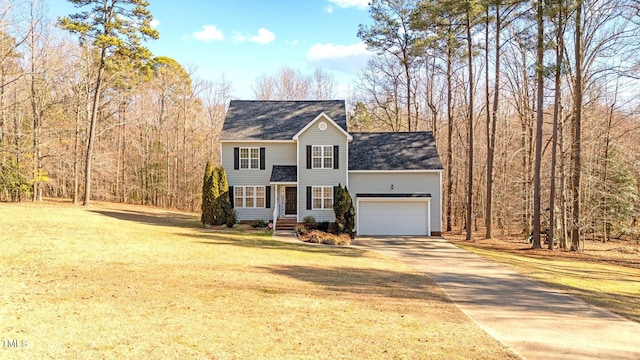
(286,224)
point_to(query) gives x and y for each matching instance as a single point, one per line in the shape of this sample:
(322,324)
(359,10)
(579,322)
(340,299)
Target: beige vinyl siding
(320,177)
(403,183)
(276,153)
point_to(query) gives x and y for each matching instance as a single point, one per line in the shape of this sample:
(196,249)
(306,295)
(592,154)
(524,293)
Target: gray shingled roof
(284,173)
(394,151)
(276,120)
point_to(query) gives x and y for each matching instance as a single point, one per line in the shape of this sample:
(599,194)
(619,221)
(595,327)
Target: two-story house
(284,158)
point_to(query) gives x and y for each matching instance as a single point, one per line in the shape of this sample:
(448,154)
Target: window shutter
(336,156)
(335,193)
(267,197)
(308,197)
(308,156)
(262,158)
(231,196)
(236,158)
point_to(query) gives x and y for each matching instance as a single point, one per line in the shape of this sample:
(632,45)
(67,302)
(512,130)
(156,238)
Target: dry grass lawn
(116,281)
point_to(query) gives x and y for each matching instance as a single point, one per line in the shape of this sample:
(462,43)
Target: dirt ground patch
(117,281)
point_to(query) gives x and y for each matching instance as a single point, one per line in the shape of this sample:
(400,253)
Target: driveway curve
(534,320)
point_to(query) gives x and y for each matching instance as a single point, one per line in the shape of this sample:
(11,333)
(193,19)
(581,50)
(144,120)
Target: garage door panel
(393,218)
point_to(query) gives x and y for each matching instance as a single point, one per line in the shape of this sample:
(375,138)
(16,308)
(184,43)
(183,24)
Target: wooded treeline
(533,106)
(157,124)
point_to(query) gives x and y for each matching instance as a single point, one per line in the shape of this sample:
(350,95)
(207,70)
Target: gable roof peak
(277,119)
(321,116)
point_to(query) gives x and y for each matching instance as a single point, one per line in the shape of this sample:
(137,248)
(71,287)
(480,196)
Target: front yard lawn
(118,281)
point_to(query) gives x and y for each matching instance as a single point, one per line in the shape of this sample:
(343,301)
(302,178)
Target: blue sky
(245,39)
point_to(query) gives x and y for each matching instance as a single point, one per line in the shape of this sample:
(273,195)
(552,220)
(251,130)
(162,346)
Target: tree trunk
(92,130)
(487,105)
(577,131)
(539,124)
(449,136)
(556,114)
(470,142)
(605,169)
(492,122)
(563,182)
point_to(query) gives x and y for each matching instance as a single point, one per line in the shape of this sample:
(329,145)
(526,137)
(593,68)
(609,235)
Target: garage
(393,216)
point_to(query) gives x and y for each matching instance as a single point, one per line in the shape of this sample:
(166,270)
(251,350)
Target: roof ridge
(392,132)
(244,100)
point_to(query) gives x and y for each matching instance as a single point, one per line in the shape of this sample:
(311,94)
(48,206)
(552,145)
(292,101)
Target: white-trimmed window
(322,157)
(248,196)
(249,158)
(322,197)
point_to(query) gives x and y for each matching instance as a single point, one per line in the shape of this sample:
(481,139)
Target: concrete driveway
(535,321)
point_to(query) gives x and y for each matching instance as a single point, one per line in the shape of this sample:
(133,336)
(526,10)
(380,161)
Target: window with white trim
(322,156)
(248,196)
(249,158)
(322,197)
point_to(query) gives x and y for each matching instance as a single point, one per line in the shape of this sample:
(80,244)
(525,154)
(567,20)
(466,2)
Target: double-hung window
(249,158)
(322,156)
(249,196)
(322,197)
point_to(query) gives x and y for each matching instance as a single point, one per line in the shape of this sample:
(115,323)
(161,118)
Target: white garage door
(393,217)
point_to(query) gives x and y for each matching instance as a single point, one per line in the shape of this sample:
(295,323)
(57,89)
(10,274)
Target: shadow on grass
(155,218)
(369,282)
(207,237)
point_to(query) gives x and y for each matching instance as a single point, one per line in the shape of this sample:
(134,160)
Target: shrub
(309,222)
(259,224)
(323,226)
(207,196)
(231,218)
(301,230)
(318,237)
(344,211)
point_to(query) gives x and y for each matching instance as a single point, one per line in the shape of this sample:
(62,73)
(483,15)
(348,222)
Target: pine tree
(344,211)
(339,207)
(215,203)
(113,27)
(207,195)
(349,215)
(227,213)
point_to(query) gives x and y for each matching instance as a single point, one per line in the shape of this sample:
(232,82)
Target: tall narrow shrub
(215,204)
(226,213)
(344,211)
(349,215)
(207,195)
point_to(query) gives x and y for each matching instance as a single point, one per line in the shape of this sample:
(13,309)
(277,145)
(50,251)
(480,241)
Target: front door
(291,201)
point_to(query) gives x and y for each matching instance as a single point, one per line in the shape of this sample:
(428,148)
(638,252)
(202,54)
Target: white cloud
(264,37)
(208,34)
(359,4)
(329,9)
(345,58)
(154,23)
